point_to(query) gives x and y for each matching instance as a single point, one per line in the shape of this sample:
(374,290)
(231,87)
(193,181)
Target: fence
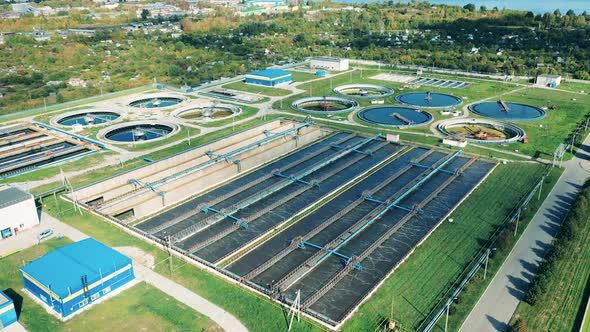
(479,261)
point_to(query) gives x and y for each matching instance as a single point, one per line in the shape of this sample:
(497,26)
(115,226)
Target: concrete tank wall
(149,202)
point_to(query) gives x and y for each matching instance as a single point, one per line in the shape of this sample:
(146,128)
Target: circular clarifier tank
(363,91)
(138,132)
(482,131)
(429,99)
(395,116)
(207,112)
(502,110)
(86,118)
(156,102)
(325,105)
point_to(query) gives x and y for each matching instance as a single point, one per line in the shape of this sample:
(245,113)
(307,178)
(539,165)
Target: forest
(224,45)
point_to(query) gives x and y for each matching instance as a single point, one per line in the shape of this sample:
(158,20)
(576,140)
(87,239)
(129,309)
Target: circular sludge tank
(363,90)
(325,105)
(429,99)
(207,112)
(509,111)
(138,132)
(156,102)
(482,131)
(86,118)
(395,116)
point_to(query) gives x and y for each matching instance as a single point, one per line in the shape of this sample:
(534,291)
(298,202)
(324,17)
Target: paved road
(218,315)
(498,303)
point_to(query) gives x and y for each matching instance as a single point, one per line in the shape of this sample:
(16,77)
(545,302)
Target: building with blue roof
(76,275)
(7,311)
(268,77)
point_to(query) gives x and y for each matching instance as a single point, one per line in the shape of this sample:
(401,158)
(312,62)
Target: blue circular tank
(502,110)
(395,116)
(429,99)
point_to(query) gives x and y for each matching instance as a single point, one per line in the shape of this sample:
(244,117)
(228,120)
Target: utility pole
(485,269)
(517,220)
(447,318)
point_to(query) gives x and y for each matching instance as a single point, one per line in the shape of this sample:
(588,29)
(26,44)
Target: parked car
(45,234)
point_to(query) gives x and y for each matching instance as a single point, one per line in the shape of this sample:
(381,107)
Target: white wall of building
(333,64)
(18,217)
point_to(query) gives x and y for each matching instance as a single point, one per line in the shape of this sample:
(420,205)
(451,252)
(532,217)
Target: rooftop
(326,58)
(11,195)
(270,73)
(550,76)
(61,270)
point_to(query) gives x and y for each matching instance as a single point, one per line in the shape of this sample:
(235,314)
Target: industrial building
(75,276)
(329,63)
(547,80)
(268,77)
(7,311)
(17,211)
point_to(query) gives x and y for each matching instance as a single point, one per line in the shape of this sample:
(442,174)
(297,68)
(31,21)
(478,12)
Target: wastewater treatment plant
(329,200)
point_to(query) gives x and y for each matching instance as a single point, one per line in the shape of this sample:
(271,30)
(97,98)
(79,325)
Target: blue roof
(64,267)
(270,73)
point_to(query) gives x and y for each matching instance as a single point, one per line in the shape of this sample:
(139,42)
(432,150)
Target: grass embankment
(143,306)
(252,88)
(560,290)
(419,283)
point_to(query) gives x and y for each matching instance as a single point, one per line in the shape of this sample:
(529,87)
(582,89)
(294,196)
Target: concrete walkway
(495,308)
(218,315)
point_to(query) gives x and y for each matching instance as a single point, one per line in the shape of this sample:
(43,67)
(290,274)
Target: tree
(173,71)
(470,7)
(145,14)
(483,9)
(59,98)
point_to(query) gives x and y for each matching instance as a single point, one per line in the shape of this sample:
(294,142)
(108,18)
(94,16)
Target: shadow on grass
(16,298)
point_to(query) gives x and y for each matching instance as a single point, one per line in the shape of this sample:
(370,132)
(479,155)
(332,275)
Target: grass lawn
(557,125)
(299,76)
(586,326)
(575,87)
(562,307)
(418,284)
(252,88)
(144,307)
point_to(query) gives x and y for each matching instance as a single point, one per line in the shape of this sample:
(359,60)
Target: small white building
(17,211)
(329,63)
(547,80)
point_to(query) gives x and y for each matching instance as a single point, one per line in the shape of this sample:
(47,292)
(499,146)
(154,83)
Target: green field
(252,88)
(562,306)
(144,307)
(575,87)
(299,76)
